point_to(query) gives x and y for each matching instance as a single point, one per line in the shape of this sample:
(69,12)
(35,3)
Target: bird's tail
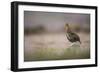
(80,42)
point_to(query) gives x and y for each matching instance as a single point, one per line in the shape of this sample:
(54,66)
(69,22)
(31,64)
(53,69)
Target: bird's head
(66,26)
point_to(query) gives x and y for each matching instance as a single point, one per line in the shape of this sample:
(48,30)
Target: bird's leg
(71,45)
(78,43)
(75,44)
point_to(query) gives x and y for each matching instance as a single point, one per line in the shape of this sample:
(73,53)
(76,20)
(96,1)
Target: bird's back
(73,37)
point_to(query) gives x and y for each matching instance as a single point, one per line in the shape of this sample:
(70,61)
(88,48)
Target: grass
(72,52)
(51,46)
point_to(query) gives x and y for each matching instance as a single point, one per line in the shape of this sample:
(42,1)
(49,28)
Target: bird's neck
(69,30)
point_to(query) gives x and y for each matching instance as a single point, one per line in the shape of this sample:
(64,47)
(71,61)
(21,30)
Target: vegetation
(73,52)
(33,30)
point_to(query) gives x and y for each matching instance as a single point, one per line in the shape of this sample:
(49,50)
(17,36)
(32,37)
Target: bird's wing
(75,36)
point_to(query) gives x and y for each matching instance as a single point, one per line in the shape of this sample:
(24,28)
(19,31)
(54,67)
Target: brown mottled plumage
(71,36)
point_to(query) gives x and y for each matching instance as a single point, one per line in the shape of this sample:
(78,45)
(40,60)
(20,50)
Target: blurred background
(45,36)
(54,22)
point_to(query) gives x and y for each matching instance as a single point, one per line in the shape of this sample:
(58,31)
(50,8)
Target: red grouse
(71,36)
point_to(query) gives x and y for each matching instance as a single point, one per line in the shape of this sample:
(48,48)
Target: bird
(71,36)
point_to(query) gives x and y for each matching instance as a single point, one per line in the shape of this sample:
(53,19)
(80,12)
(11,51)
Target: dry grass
(55,47)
